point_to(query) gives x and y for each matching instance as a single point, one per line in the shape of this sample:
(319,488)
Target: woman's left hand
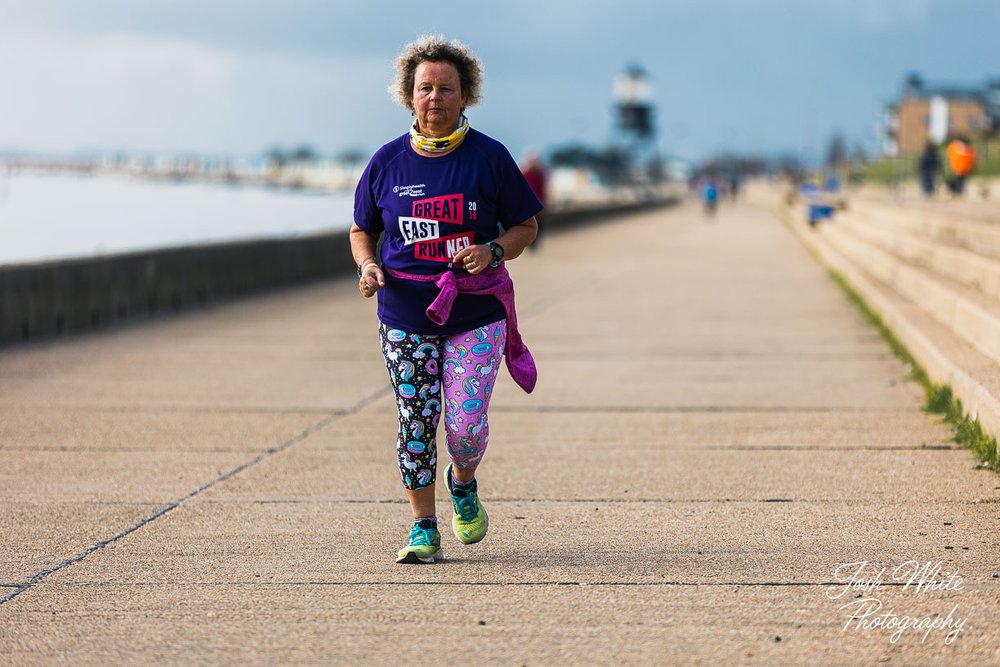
(372,279)
(474,259)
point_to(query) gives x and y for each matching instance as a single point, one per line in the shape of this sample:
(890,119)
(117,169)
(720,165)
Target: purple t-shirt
(431,208)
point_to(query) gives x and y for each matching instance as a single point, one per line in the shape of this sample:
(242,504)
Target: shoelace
(420,536)
(466,507)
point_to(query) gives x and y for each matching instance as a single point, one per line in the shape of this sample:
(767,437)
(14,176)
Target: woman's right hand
(372,280)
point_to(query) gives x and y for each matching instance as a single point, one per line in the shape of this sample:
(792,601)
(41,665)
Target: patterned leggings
(467,365)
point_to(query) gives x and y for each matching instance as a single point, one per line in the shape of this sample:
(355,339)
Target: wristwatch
(497,251)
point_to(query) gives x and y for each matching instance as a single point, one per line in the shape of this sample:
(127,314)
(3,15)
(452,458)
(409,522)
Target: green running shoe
(424,545)
(470,521)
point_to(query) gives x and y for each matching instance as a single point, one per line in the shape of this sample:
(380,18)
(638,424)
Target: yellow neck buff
(443,144)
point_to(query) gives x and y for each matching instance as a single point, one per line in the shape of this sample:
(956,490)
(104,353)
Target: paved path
(714,431)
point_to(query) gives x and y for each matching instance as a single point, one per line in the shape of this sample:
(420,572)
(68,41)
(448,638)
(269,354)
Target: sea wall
(39,301)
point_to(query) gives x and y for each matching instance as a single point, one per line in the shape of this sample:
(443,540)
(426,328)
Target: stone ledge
(39,301)
(977,394)
(956,263)
(966,316)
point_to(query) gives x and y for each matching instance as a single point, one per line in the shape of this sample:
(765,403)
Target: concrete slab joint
(713,439)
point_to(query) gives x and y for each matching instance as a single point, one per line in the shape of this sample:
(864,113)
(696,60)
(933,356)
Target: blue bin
(818,212)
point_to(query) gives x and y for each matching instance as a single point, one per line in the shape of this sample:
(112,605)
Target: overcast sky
(238,76)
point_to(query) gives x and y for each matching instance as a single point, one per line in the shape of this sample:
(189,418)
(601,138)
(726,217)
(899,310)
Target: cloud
(65,91)
(881,13)
(127,57)
(72,90)
(105,61)
(239,75)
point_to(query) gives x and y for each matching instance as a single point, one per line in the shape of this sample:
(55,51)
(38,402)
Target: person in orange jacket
(961,162)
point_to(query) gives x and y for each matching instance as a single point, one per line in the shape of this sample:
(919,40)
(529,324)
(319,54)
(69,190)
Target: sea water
(46,217)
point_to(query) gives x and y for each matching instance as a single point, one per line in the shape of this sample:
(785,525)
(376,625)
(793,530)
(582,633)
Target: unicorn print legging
(466,365)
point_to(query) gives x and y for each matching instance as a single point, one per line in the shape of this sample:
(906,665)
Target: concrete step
(966,312)
(947,357)
(972,206)
(964,266)
(976,236)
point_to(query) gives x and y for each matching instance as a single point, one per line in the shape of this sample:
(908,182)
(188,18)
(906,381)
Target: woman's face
(437,98)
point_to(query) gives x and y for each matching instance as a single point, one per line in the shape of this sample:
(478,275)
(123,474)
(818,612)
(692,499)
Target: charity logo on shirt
(422,229)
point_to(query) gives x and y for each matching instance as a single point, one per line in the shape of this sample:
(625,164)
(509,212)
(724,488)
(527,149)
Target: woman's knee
(467,443)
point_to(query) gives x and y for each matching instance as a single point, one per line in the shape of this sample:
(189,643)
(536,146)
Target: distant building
(635,128)
(934,112)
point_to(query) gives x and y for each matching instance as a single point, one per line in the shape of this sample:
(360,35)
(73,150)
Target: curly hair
(434,48)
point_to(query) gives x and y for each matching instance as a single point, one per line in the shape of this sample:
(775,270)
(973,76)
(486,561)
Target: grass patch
(893,170)
(888,170)
(939,399)
(989,158)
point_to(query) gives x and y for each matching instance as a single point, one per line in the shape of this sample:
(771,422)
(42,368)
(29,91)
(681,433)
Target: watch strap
(497,252)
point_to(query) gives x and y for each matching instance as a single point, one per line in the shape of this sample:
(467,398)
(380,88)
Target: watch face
(497,251)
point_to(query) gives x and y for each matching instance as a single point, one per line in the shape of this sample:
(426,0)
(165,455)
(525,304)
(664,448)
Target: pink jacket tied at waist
(496,282)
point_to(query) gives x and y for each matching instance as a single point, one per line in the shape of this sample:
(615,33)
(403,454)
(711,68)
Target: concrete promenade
(715,431)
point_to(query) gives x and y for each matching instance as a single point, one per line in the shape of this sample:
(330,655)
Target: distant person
(930,165)
(734,185)
(961,162)
(537,176)
(710,195)
(436,197)
(832,183)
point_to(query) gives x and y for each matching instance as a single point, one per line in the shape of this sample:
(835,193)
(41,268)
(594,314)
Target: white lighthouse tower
(635,132)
